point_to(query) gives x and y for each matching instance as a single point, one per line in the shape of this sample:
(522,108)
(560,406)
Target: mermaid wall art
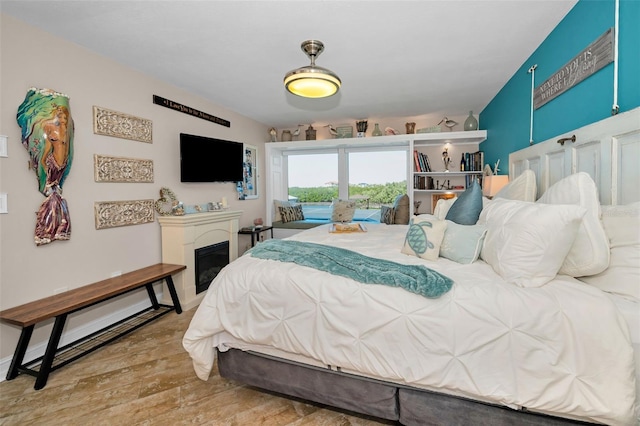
(47,134)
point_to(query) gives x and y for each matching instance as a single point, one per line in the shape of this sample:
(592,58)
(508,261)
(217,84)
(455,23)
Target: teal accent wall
(507,117)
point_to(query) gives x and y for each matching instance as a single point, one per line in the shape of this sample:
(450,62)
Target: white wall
(31,57)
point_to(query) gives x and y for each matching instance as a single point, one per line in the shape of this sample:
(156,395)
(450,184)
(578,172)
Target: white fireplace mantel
(182,235)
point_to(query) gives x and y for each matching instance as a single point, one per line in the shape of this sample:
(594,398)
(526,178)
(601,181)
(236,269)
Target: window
(313,182)
(371,177)
(375,179)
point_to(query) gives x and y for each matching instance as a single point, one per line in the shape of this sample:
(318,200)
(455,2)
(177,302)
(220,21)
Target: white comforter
(562,349)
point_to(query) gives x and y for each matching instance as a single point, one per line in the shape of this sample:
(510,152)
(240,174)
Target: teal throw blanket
(414,278)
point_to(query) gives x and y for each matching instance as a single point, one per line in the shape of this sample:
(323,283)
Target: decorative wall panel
(121,169)
(110,214)
(117,124)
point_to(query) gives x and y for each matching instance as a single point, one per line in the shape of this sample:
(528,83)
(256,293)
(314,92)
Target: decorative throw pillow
(424,237)
(622,277)
(467,207)
(387,215)
(442,207)
(462,243)
(290,214)
(589,254)
(523,188)
(526,243)
(277,204)
(342,210)
(401,207)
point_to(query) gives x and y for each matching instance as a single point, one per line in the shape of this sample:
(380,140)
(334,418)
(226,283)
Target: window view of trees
(375,178)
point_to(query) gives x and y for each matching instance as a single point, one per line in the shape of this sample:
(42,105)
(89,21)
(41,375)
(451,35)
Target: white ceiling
(395,58)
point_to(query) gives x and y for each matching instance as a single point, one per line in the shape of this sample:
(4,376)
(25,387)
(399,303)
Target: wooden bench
(61,305)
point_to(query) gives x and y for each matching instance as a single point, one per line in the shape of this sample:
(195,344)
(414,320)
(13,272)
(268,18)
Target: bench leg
(50,353)
(152,296)
(21,349)
(174,295)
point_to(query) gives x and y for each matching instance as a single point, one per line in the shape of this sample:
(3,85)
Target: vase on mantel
(376,130)
(471,123)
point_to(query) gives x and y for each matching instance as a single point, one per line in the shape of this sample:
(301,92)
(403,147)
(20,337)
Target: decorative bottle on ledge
(471,123)
(376,130)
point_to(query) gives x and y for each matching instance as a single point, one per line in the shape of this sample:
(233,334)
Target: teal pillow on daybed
(467,207)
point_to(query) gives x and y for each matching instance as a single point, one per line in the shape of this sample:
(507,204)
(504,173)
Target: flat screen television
(204,159)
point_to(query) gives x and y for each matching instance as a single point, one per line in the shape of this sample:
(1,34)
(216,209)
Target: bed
(511,342)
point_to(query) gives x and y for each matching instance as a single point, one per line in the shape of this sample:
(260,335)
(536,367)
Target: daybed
(503,333)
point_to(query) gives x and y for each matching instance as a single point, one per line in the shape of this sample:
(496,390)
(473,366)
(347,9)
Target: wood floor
(146,378)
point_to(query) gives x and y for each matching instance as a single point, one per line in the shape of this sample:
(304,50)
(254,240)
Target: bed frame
(361,395)
(608,150)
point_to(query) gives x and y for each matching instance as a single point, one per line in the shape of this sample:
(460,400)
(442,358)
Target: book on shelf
(416,160)
(472,161)
(421,161)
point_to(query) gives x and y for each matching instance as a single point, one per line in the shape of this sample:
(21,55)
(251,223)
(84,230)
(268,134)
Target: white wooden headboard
(608,150)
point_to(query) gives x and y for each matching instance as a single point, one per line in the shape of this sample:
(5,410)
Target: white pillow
(462,243)
(424,237)
(589,254)
(526,243)
(442,207)
(342,210)
(622,226)
(277,204)
(522,188)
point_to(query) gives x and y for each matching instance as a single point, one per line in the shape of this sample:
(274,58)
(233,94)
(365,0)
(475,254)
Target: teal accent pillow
(462,243)
(467,207)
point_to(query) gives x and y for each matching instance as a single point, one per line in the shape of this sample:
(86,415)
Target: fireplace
(182,236)
(209,262)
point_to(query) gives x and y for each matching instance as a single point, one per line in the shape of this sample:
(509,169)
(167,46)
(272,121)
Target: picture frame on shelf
(344,132)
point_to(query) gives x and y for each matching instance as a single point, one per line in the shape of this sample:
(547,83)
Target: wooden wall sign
(593,58)
(158,100)
(117,124)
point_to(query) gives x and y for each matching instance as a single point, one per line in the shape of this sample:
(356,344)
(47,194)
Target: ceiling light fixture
(312,81)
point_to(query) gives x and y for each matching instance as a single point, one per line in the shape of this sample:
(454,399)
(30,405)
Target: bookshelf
(432,178)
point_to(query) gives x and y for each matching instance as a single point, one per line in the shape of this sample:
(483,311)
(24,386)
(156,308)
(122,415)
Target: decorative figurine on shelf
(286,136)
(411,128)
(390,131)
(47,134)
(416,206)
(273,133)
(332,131)
(311,133)
(178,209)
(446,159)
(449,123)
(471,123)
(296,132)
(361,128)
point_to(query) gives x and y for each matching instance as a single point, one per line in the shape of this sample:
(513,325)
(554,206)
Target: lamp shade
(491,185)
(312,81)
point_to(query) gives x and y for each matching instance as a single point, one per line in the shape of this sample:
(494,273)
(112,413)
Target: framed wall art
(122,169)
(120,125)
(250,174)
